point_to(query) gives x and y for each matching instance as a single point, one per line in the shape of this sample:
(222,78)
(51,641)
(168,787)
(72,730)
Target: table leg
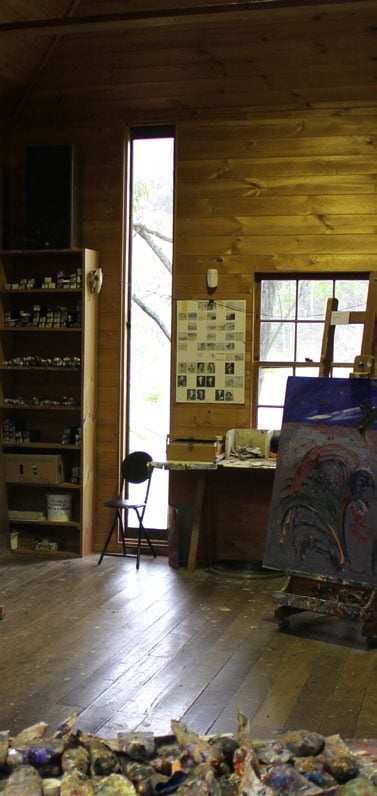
(198,505)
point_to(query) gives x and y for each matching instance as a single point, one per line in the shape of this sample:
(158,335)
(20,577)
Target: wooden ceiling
(22,57)
(29,31)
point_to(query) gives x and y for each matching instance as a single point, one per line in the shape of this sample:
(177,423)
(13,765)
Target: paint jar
(219,448)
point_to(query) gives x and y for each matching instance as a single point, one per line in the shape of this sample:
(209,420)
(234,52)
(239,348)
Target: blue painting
(323,517)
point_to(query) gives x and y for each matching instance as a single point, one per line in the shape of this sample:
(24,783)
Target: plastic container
(13,540)
(59,507)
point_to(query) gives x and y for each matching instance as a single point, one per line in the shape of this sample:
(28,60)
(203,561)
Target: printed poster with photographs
(211,351)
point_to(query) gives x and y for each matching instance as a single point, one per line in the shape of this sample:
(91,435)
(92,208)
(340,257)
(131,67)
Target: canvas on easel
(323,529)
(323,523)
(323,518)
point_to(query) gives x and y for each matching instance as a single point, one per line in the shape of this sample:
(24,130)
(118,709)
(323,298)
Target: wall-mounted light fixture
(95,279)
(212,278)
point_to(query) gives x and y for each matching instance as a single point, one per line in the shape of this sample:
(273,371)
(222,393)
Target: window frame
(133,134)
(257,363)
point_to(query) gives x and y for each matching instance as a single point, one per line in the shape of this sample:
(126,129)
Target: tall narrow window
(289,334)
(151,239)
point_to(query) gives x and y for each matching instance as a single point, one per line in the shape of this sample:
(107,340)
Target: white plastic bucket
(59,507)
(13,540)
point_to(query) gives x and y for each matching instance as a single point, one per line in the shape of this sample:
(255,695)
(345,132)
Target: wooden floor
(135,649)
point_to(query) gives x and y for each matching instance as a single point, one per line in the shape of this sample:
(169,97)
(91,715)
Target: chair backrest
(135,468)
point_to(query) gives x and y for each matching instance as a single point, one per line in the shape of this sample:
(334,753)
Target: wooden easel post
(364,364)
(368,345)
(327,351)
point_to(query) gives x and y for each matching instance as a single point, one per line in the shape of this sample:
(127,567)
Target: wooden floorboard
(130,649)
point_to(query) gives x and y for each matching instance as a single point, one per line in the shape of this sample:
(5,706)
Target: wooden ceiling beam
(162,17)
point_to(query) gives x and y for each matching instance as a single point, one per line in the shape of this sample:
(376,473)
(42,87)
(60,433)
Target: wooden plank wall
(276,162)
(266,192)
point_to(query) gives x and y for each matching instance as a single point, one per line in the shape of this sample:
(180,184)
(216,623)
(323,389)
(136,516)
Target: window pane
(272,385)
(277,342)
(309,341)
(341,373)
(278,299)
(312,298)
(151,289)
(351,294)
(294,334)
(347,342)
(298,371)
(269,418)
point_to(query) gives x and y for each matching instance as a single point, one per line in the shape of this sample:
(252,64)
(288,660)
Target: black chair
(135,470)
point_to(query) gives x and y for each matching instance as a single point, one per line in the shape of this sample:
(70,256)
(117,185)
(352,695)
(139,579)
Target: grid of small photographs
(211,351)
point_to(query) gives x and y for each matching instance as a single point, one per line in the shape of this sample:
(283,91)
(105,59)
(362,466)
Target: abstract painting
(323,517)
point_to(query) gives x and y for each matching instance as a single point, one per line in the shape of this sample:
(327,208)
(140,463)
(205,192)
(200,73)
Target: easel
(317,593)
(364,364)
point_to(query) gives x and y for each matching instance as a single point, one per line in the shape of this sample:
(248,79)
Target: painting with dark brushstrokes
(323,517)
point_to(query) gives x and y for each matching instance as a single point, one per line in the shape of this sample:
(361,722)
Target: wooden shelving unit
(48,340)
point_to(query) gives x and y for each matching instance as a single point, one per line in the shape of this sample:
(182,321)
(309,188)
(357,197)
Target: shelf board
(49,553)
(63,485)
(40,329)
(65,524)
(39,408)
(45,445)
(40,290)
(43,368)
(46,252)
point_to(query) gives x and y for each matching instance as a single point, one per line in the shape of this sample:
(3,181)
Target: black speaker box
(51,197)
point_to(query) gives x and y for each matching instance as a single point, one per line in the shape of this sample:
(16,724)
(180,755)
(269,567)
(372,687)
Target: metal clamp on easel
(363,367)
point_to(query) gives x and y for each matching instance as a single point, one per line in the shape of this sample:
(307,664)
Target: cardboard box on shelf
(26,541)
(33,469)
(17,514)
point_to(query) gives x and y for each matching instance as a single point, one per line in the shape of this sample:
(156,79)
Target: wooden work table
(230,499)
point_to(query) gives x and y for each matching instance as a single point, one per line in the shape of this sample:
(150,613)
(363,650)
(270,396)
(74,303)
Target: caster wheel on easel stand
(283,624)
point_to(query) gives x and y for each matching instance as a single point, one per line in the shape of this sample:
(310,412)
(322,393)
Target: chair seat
(123,503)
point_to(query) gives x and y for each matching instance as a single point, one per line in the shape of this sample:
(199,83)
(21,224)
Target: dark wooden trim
(164,16)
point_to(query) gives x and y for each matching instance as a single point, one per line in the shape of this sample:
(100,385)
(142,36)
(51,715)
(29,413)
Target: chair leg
(122,532)
(141,530)
(149,541)
(117,517)
(138,548)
